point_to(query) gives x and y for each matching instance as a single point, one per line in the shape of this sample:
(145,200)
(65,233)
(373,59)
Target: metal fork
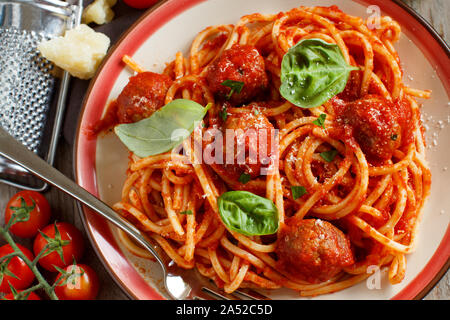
(174,279)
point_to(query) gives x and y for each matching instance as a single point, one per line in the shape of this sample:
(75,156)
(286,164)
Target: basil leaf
(328,156)
(163,130)
(320,121)
(247,213)
(312,72)
(223,114)
(298,191)
(244,178)
(188,212)
(235,86)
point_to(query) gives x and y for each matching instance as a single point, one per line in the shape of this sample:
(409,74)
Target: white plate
(156,38)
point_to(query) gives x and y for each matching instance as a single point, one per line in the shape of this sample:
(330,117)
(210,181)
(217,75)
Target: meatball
(143,95)
(244,134)
(251,130)
(241,63)
(313,250)
(378,125)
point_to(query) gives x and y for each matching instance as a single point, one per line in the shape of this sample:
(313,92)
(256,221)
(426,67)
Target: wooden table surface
(64,208)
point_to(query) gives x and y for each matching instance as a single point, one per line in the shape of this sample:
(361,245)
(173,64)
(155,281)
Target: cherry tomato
(67,239)
(17,267)
(82,283)
(31,209)
(140,4)
(31,296)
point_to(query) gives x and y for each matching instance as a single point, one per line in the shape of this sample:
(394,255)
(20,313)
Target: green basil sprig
(163,130)
(312,72)
(320,121)
(235,86)
(298,191)
(329,155)
(244,178)
(247,213)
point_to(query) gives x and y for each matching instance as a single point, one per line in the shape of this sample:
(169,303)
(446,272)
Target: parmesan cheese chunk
(79,52)
(99,12)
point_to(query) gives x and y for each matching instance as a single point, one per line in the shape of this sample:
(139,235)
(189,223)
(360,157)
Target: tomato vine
(32,264)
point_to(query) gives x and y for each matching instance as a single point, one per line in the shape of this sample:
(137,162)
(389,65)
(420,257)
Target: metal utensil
(12,150)
(179,284)
(32,96)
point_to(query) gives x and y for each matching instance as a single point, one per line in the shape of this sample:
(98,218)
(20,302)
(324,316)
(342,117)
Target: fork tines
(242,294)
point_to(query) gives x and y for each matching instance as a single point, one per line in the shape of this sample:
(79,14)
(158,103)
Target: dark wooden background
(64,208)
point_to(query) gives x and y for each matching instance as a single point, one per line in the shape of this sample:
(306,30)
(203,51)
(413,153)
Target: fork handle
(16,152)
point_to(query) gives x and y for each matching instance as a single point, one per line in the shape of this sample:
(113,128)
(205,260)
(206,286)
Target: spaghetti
(373,194)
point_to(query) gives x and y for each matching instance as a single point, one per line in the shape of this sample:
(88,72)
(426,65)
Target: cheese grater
(32,90)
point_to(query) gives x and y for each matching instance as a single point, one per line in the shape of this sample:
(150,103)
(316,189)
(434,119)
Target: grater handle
(16,152)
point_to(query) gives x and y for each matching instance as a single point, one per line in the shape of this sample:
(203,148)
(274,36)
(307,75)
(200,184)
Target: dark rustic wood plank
(436,12)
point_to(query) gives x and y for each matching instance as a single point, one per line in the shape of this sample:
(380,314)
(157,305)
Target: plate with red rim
(170,26)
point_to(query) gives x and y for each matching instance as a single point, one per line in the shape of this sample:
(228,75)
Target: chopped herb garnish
(298,191)
(320,121)
(256,112)
(235,86)
(394,137)
(188,212)
(244,178)
(223,114)
(328,156)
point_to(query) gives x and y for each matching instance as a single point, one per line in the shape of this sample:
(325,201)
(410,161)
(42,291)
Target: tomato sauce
(107,122)
(144,94)
(313,250)
(376,124)
(352,89)
(240,63)
(215,43)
